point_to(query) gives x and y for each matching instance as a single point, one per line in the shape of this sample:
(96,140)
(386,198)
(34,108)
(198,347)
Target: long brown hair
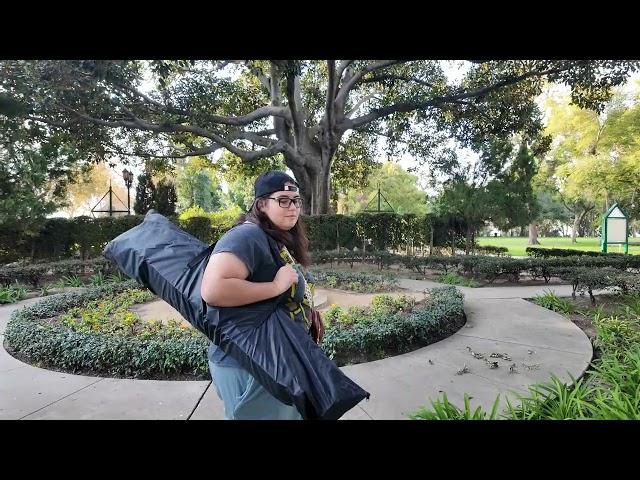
(295,240)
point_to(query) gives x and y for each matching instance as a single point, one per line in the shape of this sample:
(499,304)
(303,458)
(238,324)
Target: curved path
(538,341)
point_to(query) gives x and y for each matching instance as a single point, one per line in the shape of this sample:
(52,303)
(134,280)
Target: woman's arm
(224,282)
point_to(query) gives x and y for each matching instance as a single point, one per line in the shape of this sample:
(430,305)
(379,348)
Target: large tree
(300,109)
(197,185)
(595,158)
(495,186)
(397,186)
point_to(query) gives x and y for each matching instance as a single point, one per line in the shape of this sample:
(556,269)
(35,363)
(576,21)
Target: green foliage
(397,185)
(165,198)
(492,250)
(453,278)
(445,410)
(34,274)
(588,279)
(381,306)
(358,282)
(565,252)
(97,279)
(197,185)
(360,335)
(208,227)
(95,334)
(71,281)
(551,301)
(410,103)
(12,293)
(596,158)
(145,193)
(36,167)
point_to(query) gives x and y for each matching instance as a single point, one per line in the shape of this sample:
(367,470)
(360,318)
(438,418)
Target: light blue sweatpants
(245,399)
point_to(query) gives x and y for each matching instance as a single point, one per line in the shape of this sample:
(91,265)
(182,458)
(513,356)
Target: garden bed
(96,333)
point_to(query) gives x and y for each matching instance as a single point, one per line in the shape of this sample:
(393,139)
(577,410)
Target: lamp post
(128,181)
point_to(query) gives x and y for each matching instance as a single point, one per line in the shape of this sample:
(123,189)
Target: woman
(242,270)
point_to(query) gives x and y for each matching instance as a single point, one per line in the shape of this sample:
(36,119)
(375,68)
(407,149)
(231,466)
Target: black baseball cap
(273,181)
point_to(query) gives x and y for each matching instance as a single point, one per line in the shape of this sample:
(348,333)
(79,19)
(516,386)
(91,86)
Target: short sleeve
(247,242)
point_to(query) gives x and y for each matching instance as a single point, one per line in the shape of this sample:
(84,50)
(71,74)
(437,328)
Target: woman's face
(284,218)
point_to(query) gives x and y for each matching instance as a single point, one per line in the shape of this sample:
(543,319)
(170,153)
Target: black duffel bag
(278,352)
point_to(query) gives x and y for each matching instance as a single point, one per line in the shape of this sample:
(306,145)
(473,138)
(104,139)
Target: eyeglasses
(285,202)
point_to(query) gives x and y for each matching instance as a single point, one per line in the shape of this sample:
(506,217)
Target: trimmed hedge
(86,237)
(566,252)
(382,336)
(32,334)
(50,344)
(481,267)
(35,273)
(588,279)
(492,250)
(358,282)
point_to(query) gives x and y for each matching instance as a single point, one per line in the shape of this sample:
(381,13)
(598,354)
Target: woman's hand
(285,277)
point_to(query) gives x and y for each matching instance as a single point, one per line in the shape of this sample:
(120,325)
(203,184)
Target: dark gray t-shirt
(249,243)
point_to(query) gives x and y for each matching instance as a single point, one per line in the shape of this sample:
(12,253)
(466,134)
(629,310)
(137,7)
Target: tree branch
(379,78)
(341,68)
(454,98)
(360,102)
(257,114)
(331,88)
(53,123)
(264,80)
(344,90)
(256,138)
(193,153)
(278,122)
(146,98)
(293,107)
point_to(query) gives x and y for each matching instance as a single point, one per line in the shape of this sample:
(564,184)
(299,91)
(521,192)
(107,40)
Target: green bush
(379,336)
(381,307)
(551,301)
(85,343)
(12,294)
(488,267)
(566,252)
(357,282)
(492,250)
(453,278)
(35,273)
(588,279)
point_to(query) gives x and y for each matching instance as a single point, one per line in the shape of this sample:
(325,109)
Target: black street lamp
(128,181)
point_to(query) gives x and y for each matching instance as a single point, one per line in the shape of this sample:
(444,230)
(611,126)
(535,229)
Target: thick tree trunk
(533,234)
(320,193)
(314,184)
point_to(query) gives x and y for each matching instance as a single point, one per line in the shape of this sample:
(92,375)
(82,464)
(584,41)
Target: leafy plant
(12,294)
(97,279)
(550,300)
(442,409)
(71,281)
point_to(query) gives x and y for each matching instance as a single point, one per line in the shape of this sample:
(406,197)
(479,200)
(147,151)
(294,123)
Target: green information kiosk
(615,228)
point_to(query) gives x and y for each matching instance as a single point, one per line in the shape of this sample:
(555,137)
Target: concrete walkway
(538,341)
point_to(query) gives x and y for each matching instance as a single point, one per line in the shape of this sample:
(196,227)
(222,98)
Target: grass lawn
(517,245)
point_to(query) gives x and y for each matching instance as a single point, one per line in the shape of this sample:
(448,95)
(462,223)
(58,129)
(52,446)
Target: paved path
(498,320)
